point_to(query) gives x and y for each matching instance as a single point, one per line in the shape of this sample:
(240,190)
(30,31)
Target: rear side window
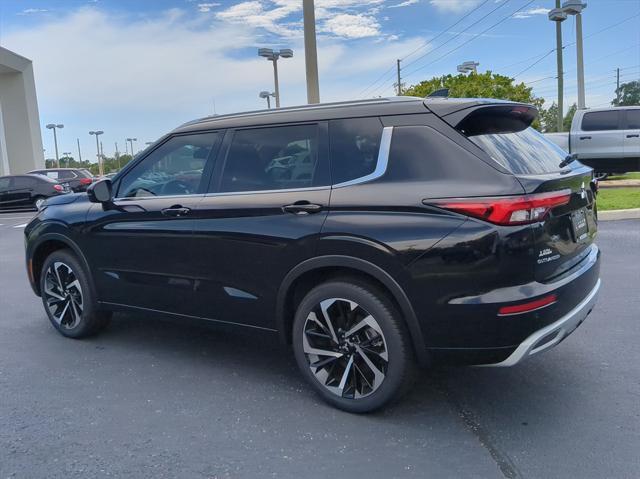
(526,152)
(24,182)
(633,120)
(51,174)
(273,158)
(600,120)
(67,174)
(4,183)
(354,147)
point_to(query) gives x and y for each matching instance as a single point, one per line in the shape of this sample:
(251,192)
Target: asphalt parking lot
(157,399)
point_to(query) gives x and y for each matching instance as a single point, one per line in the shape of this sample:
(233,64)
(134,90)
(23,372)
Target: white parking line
(21,226)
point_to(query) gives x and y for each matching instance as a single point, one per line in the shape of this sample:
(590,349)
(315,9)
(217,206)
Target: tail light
(58,187)
(506,210)
(528,307)
(85,181)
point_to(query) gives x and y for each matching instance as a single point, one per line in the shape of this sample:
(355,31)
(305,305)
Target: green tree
(479,85)
(629,94)
(549,118)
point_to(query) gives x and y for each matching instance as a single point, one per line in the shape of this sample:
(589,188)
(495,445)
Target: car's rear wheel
(68,297)
(352,346)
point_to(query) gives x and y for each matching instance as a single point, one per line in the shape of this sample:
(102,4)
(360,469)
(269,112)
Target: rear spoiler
(486,118)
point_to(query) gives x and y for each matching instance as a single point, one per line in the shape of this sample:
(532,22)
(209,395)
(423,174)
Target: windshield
(526,152)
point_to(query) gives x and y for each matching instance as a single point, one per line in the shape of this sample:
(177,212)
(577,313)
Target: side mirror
(101,191)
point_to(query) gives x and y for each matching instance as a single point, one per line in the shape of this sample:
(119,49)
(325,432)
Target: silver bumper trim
(562,328)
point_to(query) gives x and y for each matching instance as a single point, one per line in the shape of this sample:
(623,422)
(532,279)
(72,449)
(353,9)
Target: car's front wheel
(352,345)
(68,297)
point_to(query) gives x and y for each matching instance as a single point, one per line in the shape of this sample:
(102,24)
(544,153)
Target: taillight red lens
(85,181)
(506,210)
(58,187)
(528,307)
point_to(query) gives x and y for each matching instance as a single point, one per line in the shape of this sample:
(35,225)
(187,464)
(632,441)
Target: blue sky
(140,68)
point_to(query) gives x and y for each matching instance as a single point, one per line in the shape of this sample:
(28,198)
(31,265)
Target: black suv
(78,179)
(27,191)
(372,235)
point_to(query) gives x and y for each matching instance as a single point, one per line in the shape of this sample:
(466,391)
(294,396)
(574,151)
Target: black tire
(81,318)
(364,393)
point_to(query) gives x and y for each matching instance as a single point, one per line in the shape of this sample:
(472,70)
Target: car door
(268,199)
(140,247)
(20,192)
(600,136)
(632,134)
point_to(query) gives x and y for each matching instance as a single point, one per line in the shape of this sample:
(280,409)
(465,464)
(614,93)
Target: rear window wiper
(568,159)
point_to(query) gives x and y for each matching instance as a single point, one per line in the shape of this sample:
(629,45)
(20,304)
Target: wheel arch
(308,273)
(47,244)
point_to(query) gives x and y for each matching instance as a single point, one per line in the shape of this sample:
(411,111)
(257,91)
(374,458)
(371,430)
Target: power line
(500,5)
(445,30)
(386,73)
(472,38)
(536,62)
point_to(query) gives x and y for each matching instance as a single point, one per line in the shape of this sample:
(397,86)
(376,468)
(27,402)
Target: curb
(630,214)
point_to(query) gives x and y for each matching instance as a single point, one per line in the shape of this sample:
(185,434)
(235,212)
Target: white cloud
(206,7)
(406,3)
(531,12)
(455,6)
(352,26)
(32,11)
(144,76)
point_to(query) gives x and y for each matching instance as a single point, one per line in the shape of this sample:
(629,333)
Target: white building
(20,137)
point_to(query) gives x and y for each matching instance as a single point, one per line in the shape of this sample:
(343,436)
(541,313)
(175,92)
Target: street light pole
(53,126)
(575,7)
(267,95)
(310,51)
(558,15)
(131,140)
(97,134)
(79,154)
(273,56)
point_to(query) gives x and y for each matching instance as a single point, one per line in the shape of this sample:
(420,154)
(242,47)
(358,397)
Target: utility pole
(310,51)
(558,15)
(79,154)
(117,155)
(617,86)
(399,78)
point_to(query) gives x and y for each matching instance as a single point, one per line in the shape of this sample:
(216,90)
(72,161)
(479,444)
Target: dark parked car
(372,235)
(78,179)
(27,191)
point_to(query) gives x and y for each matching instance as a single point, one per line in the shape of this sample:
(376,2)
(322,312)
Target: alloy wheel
(63,295)
(345,348)
(39,203)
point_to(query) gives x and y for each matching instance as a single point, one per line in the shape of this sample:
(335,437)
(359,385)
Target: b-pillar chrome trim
(381,164)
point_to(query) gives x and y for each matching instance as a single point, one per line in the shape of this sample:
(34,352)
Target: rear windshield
(526,152)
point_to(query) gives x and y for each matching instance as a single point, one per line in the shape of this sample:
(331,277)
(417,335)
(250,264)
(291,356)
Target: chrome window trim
(256,192)
(159,197)
(381,163)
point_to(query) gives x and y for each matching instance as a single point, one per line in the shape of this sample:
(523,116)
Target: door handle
(176,211)
(585,137)
(302,208)
(636,135)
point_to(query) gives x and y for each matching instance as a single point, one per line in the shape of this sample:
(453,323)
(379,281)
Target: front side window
(51,174)
(355,143)
(600,120)
(174,168)
(273,158)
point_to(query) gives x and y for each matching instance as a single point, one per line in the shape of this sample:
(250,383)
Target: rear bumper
(554,333)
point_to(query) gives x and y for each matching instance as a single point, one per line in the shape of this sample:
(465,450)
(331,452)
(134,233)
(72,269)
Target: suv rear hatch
(566,230)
